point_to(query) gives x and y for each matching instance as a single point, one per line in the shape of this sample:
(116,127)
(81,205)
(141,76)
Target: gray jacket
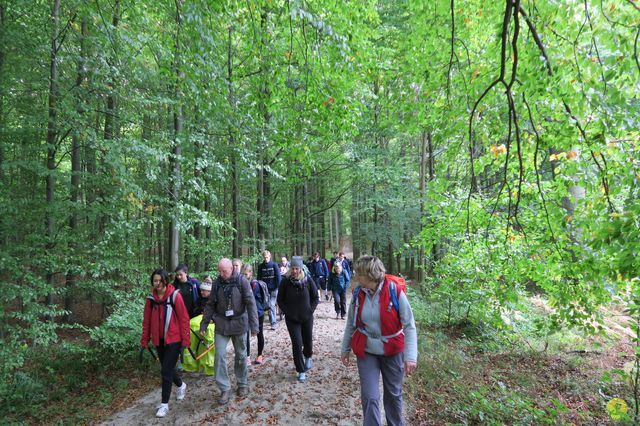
(234,294)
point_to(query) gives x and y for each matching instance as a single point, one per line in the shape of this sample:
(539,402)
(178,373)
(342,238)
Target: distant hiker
(166,324)
(247,271)
(344,262)
(269,272)
(237,266)
(284,266)
(205,291)
(188,288)
(232,308)
(298,299)
(338,285)
(319,273)
(382,333)
(201,346)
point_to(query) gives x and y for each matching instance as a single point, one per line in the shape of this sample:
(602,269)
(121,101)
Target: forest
(487,151)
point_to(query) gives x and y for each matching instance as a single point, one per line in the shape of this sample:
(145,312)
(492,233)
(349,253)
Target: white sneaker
(182,391)
(163,410)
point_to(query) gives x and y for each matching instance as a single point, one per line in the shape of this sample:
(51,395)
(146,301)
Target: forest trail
(330,395)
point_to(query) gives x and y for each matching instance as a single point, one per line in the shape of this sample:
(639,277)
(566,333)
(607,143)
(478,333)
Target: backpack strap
(393,296)
(355,300)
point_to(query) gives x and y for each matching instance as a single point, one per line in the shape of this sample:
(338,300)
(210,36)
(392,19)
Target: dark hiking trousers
(260,337)
(168,355)
(340,301)
(301,334)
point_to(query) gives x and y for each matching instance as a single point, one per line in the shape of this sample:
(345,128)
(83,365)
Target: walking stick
(205,352)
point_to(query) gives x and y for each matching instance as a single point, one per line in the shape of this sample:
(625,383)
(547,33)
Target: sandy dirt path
(330,396)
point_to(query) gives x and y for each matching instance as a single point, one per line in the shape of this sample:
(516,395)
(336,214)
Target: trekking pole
(200,340)
(191,353)
(205,352)
(153,354)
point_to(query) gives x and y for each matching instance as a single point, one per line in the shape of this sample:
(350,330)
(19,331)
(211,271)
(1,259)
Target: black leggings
(260,337)
(301,334)
(168,355)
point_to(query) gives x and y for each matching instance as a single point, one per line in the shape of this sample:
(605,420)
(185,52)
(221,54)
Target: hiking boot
(326,297)
(258,360)
(225,396)
(182,391)
(163,410)
(243,391)
(342,317)
(273,326)
(302,377)
(337,316)
(308,363)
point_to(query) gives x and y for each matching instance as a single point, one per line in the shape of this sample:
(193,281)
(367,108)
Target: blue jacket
(339,282)
(257,294)
(318,268)
(270,274)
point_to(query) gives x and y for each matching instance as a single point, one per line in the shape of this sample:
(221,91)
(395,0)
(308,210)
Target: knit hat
(296,262)
(205,286)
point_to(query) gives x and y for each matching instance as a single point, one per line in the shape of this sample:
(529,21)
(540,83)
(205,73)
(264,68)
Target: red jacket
(154,324)
(390,324)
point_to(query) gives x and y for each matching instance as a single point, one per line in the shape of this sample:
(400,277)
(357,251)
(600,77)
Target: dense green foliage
(484,148)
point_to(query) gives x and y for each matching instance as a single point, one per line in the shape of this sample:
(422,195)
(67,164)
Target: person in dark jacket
(338,285)
(232,308)
(298,299)
(188,287)
(269,272)
(166,324)
(319,273)
(247,271)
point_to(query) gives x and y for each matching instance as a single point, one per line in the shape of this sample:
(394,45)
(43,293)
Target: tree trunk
(52,135)
(3,44)
(76,171)
(355,223)
(235,178)
(176,172)
(264,226)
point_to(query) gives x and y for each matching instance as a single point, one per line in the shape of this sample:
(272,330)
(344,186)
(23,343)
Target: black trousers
(340,301)
(301,334)
(260,337)
(321,282)
(168,355)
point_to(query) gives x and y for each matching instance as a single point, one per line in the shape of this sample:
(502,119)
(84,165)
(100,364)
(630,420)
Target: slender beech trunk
(235,175)
(422,188)
(2,56)
(52,135)
(263,220)
(178,122)
(76,165)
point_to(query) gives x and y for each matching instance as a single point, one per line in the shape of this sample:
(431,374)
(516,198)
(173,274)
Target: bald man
(232,307)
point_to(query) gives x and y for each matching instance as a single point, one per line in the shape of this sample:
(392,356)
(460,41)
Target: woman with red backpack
(382,333)
(166,324)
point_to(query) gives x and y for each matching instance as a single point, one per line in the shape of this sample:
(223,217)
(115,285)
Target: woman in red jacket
(166,324)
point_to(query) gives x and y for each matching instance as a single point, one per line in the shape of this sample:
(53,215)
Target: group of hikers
(204,317)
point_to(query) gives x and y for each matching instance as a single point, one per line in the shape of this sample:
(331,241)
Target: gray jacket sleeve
(348,330)
(410,331)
